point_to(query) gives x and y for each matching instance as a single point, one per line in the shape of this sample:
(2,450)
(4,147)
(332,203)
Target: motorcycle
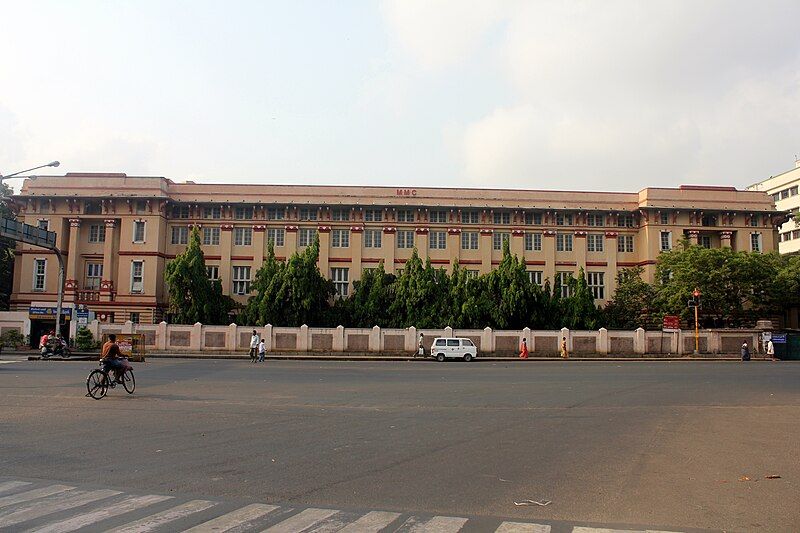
(58,347)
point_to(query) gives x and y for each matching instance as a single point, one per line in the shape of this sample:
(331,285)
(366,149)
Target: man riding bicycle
(112,358)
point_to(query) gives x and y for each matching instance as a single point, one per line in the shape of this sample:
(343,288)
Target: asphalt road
(642,443)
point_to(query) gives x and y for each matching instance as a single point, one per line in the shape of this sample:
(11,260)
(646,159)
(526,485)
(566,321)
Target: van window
(440,342)
(452,342)
(466,342)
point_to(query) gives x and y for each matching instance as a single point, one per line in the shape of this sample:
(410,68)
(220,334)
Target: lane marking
(33,494)
(522,527)
(126,505)
(234,518)
(52,504)
(439,524)
(11,485)
(301,521)
(371,522)
(580,529)
(149,523)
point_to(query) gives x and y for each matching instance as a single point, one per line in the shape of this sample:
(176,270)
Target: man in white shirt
(771,350)
(254,346)
(262,351)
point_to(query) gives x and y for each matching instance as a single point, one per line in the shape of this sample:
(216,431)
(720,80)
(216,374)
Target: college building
(118,232)
(785,192)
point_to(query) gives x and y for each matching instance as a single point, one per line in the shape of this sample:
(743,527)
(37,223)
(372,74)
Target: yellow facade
(117,271)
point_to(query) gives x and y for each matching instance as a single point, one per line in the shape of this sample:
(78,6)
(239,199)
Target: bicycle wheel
(128,381)
(97,384)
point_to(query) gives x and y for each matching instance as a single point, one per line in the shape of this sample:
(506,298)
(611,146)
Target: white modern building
(784,190)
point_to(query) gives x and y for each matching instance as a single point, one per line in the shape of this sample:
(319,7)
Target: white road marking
(371,522)
(522,527)
(11,485)
(301,521)
(33,494)
(234,518)
(131,503)
(155,521)
(52,504)
(580,529)
(439,524)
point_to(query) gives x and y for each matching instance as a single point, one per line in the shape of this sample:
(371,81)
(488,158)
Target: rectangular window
(340,214)
(243,212)
(754,221)
(625,221)
(97,233)
(275,213)
(94,273)
(498,239)
(502,218)
(664,218)
(138,231)
(438,216)
(306,236)
(39,274)
(180,211)
(470,217)
(533,242)
(211,236)
(141,207)
(372,238)
(405,238)
(44,224)
(666,241)
(277,236)
(180,235)
(308,213)
(472,274)
(469,240)
(340,238)
(594,242)
(705,241)
(137,277)
(405,215)
(212,211)
(625,243)
(563,219)
(134,317)
(438,240)
(341,280)
(241,279)
(594,219)
(533,218)
(794,190)
(242,236)
(535,276)
(755,242)
(373,215)
(596,283)
(213,272)
(564,242)
(564,279)
(92,208)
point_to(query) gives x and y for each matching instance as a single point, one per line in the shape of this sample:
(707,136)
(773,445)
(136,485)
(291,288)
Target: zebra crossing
(51,507)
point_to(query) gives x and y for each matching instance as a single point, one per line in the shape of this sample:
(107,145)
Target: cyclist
(112,358)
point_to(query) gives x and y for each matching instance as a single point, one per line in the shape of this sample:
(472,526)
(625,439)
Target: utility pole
(696,300)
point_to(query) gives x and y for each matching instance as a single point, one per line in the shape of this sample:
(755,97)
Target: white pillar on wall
(411,339)
(338,339)
(302,339)
(196,337)
(161,336)
(230,338)
(375,340)
(267,336)
(639,341)
(487,340)
(602,341)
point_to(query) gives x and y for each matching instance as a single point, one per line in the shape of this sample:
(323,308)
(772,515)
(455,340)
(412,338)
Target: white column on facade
(109,261)
(71,283)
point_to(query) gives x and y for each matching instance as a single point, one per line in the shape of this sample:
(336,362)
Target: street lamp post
(56,250)
(696,294)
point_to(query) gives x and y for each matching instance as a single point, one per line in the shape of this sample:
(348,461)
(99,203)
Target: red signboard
(672,323)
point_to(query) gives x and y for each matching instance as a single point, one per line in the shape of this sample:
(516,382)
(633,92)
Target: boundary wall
(199,338)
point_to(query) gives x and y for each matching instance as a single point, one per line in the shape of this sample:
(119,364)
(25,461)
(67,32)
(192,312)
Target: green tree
(368,304)
(578,310)
(264,307)
(304,294)
(6,253)
(631,306)
(192,296)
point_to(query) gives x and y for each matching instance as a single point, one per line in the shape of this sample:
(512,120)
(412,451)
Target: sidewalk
(32,355)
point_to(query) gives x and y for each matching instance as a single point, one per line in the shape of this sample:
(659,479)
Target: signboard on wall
(48,313)
(672,323)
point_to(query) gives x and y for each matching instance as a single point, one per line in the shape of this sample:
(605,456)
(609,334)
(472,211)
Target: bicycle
(99,381)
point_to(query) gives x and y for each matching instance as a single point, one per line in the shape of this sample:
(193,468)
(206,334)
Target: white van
(460,347)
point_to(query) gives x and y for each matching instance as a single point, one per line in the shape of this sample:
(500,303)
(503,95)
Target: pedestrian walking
(254,346)
(564,349)
(745,352)
(523,350)
(771,350)
(262,351)
(420,346)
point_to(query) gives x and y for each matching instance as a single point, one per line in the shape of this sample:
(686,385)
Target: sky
(580,95)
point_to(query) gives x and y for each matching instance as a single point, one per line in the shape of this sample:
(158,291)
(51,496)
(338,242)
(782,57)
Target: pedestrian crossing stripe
(58,508)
